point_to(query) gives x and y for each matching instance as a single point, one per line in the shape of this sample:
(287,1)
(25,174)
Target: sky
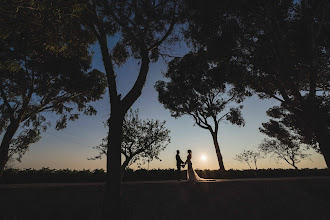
(70,148)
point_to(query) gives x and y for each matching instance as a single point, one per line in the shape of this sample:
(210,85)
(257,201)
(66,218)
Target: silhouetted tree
(288,142)
(193,91)
(142,141)
(136,29)
(291,152)
(248,156)
(10,164)
(42,70)
(282,48)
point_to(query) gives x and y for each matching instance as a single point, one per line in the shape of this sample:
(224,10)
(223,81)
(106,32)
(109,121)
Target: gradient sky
(70,148)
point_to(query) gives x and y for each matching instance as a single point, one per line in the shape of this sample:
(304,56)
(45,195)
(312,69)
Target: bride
(192,176)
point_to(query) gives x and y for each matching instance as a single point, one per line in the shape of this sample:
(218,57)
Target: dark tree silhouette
(142,141)
(291,152)
(248,156)
(42,70)
(138,29)
(285,144)
(193,91)
(282,48)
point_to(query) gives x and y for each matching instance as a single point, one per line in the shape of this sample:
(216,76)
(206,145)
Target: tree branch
(5,100)
(136,90)
(107,61)
(168,32)
(198,121)
(223,116)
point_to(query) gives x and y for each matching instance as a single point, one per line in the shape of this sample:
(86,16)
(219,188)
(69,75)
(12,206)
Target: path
(278,198)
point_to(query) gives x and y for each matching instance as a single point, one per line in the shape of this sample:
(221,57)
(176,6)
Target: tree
(10,164)
(290,152)
(42,70)
(138,29)
(248,156)
(142,141)
(286,143)
(284,46)
(192,91)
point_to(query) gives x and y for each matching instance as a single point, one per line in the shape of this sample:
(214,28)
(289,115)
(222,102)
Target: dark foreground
(284,198)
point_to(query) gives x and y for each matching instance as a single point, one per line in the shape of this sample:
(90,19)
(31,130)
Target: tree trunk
(323,138)
(295,167)
(112,207)
(123,167)
(315,121)
(249,165)
(217,150)
(4,147)
(319,126)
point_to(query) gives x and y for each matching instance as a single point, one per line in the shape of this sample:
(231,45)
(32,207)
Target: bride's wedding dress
(192,176)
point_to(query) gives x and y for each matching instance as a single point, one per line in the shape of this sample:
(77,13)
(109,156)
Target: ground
(278,198)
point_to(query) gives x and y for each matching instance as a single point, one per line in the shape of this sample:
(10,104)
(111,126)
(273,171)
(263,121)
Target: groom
(179,163)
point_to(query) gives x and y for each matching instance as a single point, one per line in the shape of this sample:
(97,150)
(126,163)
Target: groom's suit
(179,162)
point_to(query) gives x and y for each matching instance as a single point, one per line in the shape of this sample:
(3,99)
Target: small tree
(289,151)
(192,91)
(142,142)
(248,156)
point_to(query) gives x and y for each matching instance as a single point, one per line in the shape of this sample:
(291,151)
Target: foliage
(47,175)
(193,91)
(248,156)
(290,151)
(142,141)
(42,70)
(137,29)
(10,164)
(280,50)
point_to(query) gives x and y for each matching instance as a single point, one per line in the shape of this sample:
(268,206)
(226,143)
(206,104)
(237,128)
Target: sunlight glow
(203,157)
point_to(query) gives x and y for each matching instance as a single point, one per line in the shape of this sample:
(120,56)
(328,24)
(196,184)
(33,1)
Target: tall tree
(142,141)
(193,91)
(138,29)
(285,48)
(42,69)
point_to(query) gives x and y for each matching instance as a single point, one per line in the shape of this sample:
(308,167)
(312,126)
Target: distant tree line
(47,175)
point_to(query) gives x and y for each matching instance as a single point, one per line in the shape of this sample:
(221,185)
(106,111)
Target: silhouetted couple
(191,174)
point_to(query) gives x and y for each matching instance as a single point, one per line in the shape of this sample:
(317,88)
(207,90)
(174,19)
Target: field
(276,198)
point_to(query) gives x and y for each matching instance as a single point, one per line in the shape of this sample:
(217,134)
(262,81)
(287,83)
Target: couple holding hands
(191,174)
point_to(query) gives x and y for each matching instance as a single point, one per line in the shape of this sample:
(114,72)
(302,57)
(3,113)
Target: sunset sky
(70,148)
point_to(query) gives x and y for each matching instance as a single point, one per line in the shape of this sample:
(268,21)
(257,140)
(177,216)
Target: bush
(47,175)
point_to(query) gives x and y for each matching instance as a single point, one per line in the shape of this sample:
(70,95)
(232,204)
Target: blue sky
(70,148)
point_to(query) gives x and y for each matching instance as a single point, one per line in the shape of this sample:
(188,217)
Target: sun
(203,157)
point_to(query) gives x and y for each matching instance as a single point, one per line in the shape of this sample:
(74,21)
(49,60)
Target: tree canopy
(280,50)
(193,91)
(137,29)
(45,67)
